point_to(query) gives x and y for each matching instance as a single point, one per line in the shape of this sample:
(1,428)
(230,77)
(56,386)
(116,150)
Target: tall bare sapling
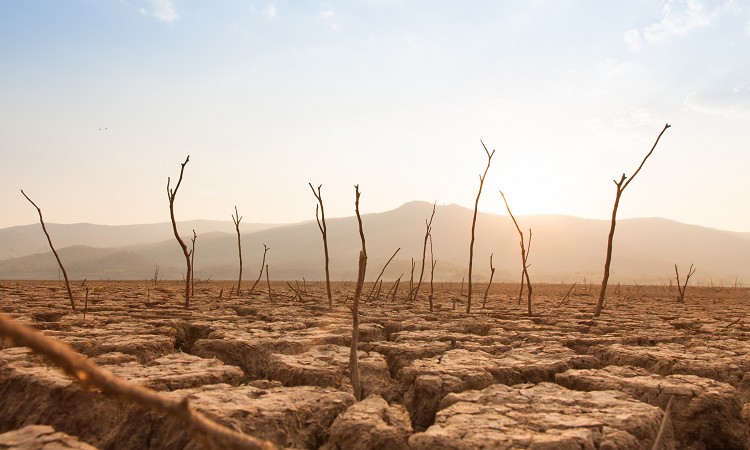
(171,194)
(620,187)
(474,223)
(524,257)
(353,359)
(262,265)
(236,219)
(428,231)
(324,232)
(681,289)
(54,252)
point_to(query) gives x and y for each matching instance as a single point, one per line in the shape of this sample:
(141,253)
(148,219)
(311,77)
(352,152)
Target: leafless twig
(474,223)
(54,252)
(201,428)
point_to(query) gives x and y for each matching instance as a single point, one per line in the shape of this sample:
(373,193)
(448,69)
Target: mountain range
(563,248)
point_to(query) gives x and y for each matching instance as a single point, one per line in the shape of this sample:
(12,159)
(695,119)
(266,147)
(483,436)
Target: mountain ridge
(564,248)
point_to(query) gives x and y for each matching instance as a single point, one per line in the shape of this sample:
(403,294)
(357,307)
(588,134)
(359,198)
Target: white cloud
(747,29)
(679,17)
(633,39)
(611,69)
(269,11)
(328,18)
(164,10)
(731,102)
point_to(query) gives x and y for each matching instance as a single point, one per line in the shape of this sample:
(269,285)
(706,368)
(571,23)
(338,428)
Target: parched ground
(277,367)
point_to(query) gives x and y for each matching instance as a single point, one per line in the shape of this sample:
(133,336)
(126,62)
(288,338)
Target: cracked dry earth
(495,378)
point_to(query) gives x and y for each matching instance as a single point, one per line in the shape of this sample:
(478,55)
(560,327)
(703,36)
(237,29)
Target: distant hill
(24,240)
(563,249)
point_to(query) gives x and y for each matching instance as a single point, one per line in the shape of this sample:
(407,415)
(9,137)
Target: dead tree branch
(199,426)
(324,232)
(524,257)
(566,295)
(171,194)
(681,289)
(353,358)
(492,274)
(237,219)
(474,223)
(620,187)
(54,252)
(427,233)
(382,272)
(432,274)
(262,265)
(192,264)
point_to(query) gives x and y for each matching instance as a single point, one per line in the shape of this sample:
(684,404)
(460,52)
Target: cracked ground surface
(494,378)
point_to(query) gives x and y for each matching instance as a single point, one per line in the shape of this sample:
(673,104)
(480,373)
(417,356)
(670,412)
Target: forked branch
(262,266)
(427,234)
(620,187)
(524,257)
(681,289)
(324,232)
(237,219)
(171,194)
(474,223)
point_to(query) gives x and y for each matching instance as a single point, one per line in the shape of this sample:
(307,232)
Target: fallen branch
(201,428)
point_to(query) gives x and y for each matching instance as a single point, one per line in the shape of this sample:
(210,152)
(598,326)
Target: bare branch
(171,194)
(382,272)
(54,252)
(237,219)
(427,234)
(353,357)
(324,232)
(474,222)
(620,187)
(200,427)
(262,265)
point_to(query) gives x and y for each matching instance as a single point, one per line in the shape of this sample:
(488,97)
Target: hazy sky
(392,94)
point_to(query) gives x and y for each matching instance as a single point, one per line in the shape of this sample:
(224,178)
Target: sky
(101,100)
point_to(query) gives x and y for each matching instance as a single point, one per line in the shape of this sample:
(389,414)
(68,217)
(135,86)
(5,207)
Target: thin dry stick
(323,231)
(268,281)
(201,428)
(382,272)
(171,195)
(663,425)
(492,274)
(86,305)
(620,186)
(427,233)
(524,257)
(192,264)
(54,252)
(353,358)
(474,223)
(236,219)
(394,289)
(566,295)
(262,264)
(432,273)
(296,292)
(411,281)
(691,271)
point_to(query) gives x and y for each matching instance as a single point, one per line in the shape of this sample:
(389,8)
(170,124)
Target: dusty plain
(277,367)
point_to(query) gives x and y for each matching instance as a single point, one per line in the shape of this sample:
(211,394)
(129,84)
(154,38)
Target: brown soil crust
(494,378)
